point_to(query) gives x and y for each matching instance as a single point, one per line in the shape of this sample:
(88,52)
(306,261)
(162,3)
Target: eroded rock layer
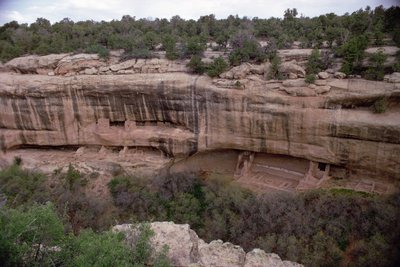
(181,114)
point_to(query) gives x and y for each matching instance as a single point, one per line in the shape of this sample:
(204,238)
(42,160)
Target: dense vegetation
(317,228)
(34,232)
(348,35)
(35,236)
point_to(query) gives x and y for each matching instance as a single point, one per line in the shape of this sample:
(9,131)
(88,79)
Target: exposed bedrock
(181,114)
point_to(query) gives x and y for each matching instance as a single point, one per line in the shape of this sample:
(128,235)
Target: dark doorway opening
(321,166)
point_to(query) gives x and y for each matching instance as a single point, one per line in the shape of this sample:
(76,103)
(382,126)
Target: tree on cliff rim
(245,47)
(353,54)
(217,67)
(196,65)
(376,70)
(314,62)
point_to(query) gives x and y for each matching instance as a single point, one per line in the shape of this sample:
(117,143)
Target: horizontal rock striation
(181,114)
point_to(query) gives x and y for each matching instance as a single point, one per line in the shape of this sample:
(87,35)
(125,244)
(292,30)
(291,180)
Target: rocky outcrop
(91,64)
(187,249)
(323,75)
(339,75)
(389,51)
(392,78)
(76,63)
(294,54)
(245,69)
(286,68)
(35,64)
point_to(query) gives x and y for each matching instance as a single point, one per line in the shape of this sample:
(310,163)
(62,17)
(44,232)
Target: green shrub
(353,53)
(97,249)
(194,46)
(274,72)
(72,177)
(151,39)
(218,66)
(314,63)
(142,250)
(98,49)
(142,53)
(380,105)
(245,47)
(349,192)
(376,70)
(27,235)
(18,160)
(35,237)
(185,208)
(136,195)
(9,51)
(310,78)
(396,67)
(169,45)
(196,65)
(22,186)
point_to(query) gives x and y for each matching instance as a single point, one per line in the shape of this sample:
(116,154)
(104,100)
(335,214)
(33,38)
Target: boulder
(51,61)
(292,67)
(90,71)
(259,258)
(392,78)
(80,151)
(177,66)
(140,63)
(323,75)
(33,63)
(76,63)
(238,72)
(260,69)
(218,253)
(104,69)
(294,83)
(339,75)
(181,240)
(294,54)
(300,91)
(386,50)
(123,65)
(322,89)
(330,71)
(320,82)
(41,71)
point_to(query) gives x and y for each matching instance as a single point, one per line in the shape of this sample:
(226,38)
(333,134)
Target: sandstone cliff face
(181,114)
(187,249)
